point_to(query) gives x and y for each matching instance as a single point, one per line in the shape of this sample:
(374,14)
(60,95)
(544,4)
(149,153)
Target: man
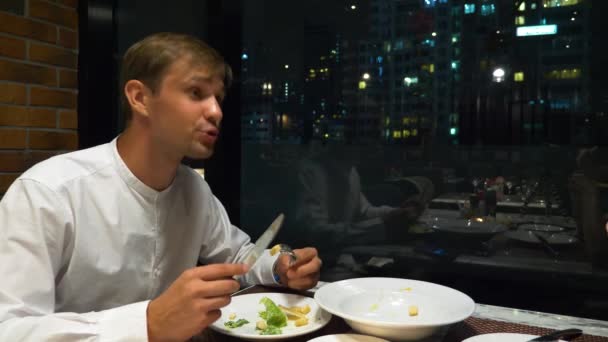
(88,238)
(332,210)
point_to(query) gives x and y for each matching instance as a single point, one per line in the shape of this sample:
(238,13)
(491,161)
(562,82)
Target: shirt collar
(133,181)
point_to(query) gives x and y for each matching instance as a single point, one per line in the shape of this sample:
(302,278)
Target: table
(485,319)
(514,262)
(507,201)
(500,255)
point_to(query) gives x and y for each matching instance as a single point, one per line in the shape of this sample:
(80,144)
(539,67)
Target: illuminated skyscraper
(414,40)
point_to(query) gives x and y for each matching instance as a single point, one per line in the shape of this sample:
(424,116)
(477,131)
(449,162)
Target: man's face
(185,113)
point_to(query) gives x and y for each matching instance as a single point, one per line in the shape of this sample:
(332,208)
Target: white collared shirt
(84,246)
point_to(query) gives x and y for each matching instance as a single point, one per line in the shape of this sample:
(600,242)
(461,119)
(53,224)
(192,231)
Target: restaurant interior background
(502,104)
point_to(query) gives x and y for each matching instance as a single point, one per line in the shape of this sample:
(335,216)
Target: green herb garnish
(236,324)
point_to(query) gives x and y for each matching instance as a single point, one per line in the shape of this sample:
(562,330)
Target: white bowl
(379,306)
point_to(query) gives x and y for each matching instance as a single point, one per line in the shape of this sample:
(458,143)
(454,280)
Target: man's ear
(137,93)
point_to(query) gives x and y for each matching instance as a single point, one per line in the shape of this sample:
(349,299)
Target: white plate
(248,307)
(465,226)
(552,238)
(562,221)
(541,227)
(379,306)
(501,337)
(347,338)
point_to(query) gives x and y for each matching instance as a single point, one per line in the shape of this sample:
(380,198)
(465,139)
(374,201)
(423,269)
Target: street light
(409,80)
(366,76)
(498,75)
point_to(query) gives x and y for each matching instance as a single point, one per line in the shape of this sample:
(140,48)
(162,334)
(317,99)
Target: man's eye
(195,93)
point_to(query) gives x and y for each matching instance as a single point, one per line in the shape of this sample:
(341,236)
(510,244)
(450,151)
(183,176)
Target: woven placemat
(476,326)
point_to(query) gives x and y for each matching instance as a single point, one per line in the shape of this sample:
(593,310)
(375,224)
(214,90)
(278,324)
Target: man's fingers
(216,288)
(304,255)
(211,317)
(304,283)
(217,271)
(216,303)
(303,270)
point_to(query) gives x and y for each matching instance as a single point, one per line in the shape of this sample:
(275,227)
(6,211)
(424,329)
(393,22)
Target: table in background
(510,203)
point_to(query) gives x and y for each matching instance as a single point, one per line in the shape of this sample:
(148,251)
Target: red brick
(20,161)
(27,73)
(52,98)
(68,79)
(6,180)
(68,38)
(12,161)
(69,3)
(51,140)
(12,138)
(12,93)
(53,55)
(27,116)
(27,28)
(53,13)
(68,119)
(36,157)
(11,47)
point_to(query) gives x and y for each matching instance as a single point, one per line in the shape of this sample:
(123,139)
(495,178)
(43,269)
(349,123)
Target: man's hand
(398,220)
(304,273)
(192,302)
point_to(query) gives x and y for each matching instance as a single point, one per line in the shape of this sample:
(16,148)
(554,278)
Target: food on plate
(297,314)
(261,325)
(413,310)
(300,322)
(274,250)
(236,324)
(274,318)
(302,309)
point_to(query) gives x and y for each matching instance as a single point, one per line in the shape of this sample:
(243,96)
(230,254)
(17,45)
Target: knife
(264,241)
(567,334)
(545,244)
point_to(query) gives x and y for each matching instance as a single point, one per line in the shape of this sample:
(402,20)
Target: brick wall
(38,83)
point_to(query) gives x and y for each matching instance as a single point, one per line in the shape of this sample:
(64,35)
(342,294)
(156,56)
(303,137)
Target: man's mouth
(209,136)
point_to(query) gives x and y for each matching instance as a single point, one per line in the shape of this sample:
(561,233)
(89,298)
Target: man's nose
(214,112)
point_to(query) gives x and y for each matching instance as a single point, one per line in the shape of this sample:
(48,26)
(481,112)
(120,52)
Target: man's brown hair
(148,60)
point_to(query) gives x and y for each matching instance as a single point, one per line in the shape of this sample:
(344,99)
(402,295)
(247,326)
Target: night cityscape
(454,72)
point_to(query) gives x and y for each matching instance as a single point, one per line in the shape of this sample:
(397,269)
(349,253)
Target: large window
(493,114)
